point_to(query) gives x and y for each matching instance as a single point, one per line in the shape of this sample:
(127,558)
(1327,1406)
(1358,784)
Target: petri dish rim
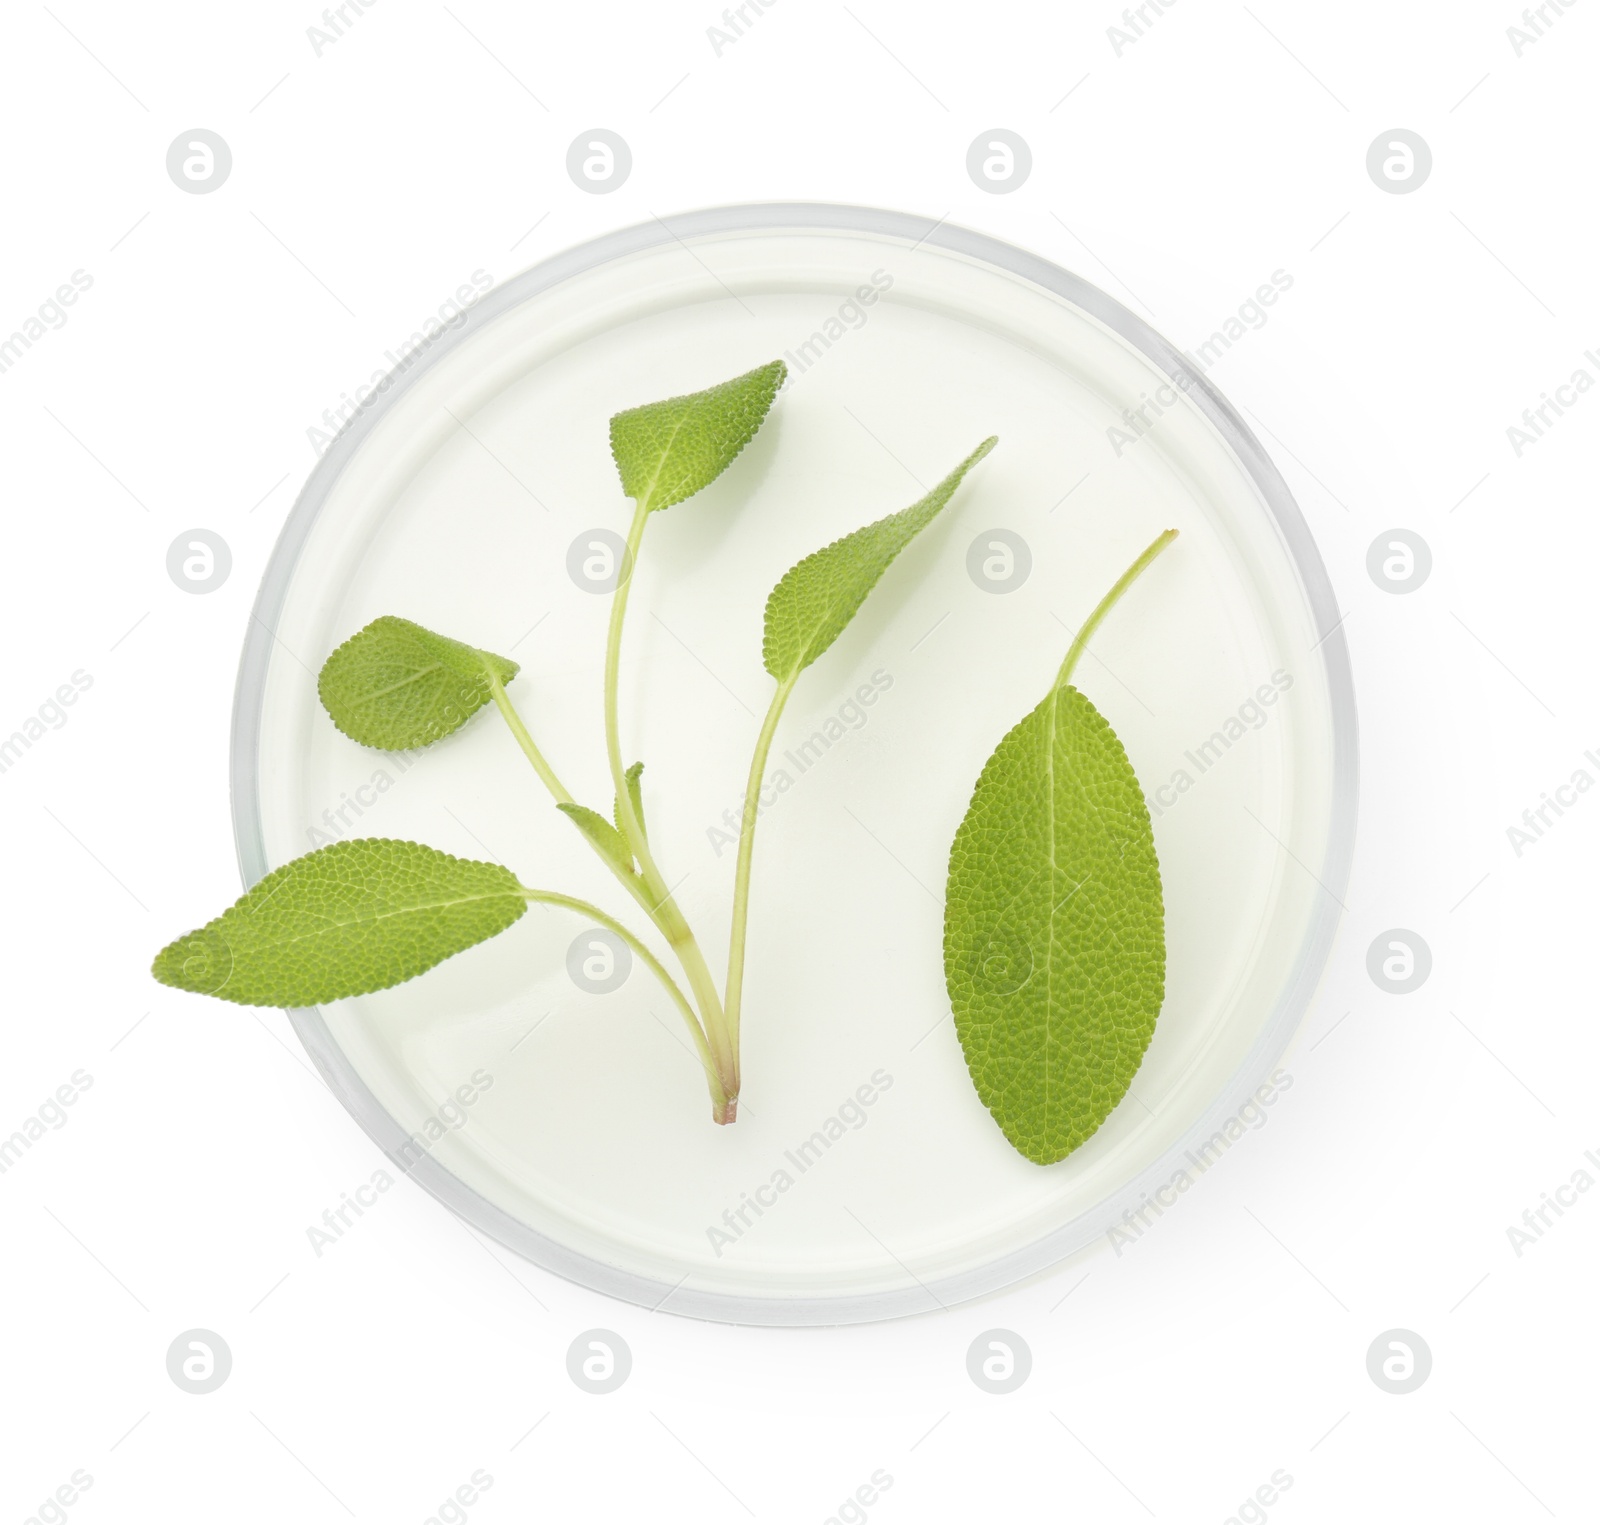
(1293,1000)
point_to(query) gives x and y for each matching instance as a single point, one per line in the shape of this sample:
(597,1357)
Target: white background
(368,183)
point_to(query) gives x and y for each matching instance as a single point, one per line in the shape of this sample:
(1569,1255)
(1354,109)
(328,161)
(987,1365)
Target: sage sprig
(364,915)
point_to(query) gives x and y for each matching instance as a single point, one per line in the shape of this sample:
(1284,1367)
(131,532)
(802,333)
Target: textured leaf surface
(396,685)
(631,778)
(1055,957)
(667,451)
(816,598)
(346,919)
(602,833)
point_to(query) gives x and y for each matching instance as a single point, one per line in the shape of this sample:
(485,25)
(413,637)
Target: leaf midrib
(416,677)
(806,655)
(370,920)
(648,495)
(1050,925)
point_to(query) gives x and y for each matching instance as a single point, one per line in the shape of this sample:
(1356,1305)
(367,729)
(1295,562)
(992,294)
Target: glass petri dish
(536,1085)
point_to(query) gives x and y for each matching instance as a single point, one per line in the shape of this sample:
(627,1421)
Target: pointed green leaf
(602,833)
(667,451)
(816,598)
(1054,953)
(631,778)
(396,685)
(347,919)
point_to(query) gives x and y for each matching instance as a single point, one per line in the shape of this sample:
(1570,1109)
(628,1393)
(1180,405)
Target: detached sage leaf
(347,919)
(1053,948)
(667,451)
(395,685)
(1054,943)
(608,838)
(816,598)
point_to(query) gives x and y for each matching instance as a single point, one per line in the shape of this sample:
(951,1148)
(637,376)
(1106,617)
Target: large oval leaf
(1054,952)
(342,921)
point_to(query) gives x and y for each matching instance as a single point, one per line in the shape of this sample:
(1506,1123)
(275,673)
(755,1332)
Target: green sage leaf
(1054,952)
(631,778)
(816,598)
(395,685)
(608,838)
(667,451)
(347,919)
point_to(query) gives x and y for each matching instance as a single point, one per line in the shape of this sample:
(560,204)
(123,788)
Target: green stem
(657,905)
(563,796)
(658,900)
(734,999)
(631,882)
(525,740)
(719,1096)
(1106,604)
(632,827)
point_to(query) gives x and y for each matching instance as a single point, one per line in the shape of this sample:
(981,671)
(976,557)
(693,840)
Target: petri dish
(537,1085)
